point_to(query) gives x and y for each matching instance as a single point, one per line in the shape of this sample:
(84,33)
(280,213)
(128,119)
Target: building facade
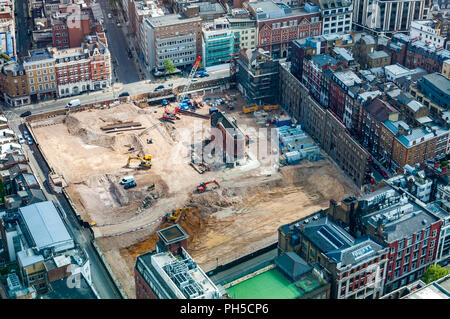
(168,273)
(244,28)
(171,37)
(40,69)
(217,42)
(7,29)
(337,16)
(72,68)
(325,127)
(278,25)
(428,31)
(15,84)
(356,267)
(410,231)
(257,76)
(388,16)
(433,91)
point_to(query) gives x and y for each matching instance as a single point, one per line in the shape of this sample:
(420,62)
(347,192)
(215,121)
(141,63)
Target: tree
(169,66)
(433,273)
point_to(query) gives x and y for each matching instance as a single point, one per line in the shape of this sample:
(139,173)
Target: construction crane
(202,187)
(170,116)
(175,215)
(146,160)
(189,79)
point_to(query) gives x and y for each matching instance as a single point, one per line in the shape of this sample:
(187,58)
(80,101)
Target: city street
(100,277)
(99,96)
(124,67)
(23,42)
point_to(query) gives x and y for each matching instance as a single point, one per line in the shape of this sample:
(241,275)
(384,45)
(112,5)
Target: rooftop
(378,54)
(179,276)
(60,290)
(323,59)
(170,19)
(397,69)
(45,226)
(414,105)
(268,10)
(28,257)
(399,215)
(273,284)
(172,234)
(349,78)
(439,289)
(416,135)
(38,55)
(380,109)
(439,81)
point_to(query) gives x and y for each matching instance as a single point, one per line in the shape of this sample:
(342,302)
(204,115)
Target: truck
(270,107)
(249,108)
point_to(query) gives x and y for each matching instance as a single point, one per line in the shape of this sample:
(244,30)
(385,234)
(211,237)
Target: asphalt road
(124,67)
(100,277)
(23,41)
(108,94)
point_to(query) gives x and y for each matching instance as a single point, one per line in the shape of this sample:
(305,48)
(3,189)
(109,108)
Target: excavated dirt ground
(241,216)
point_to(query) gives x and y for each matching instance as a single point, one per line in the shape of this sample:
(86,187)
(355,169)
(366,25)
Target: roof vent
(316,217)
(306,221)
(424,221)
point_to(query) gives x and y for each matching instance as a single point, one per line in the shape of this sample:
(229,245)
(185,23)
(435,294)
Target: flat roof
(45,225)
(378,54)
(273,284)
(439,81)
(397,69)
(170,19)
(60,290)
(172,234)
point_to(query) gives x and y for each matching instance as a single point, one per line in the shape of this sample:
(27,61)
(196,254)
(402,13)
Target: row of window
(39,80)
(38,72)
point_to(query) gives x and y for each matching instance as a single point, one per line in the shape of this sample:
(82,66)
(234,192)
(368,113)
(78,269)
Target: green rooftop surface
(273,284)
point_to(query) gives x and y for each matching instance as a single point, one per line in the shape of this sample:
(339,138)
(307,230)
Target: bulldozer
(146,161)
(176,214)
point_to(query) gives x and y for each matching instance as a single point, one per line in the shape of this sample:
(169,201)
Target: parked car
(159,88)
(109,16)
(30,140)
(124,94)
(383,173)
(25,114)
(130,185)
(21,139)
(26,134)
(118,22)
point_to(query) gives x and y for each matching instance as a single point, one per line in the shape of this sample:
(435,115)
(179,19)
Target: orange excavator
(202,187)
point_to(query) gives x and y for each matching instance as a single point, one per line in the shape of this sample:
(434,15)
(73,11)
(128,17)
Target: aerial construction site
(99,152)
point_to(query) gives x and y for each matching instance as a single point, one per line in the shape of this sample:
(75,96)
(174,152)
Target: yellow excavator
(146,161)
(175,215)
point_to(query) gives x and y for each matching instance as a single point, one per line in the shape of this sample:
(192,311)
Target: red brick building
(168,272)
(278,25)
(373,114)
(70,27)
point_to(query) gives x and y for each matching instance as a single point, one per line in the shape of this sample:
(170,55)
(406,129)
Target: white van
(74,103)
(127,179)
